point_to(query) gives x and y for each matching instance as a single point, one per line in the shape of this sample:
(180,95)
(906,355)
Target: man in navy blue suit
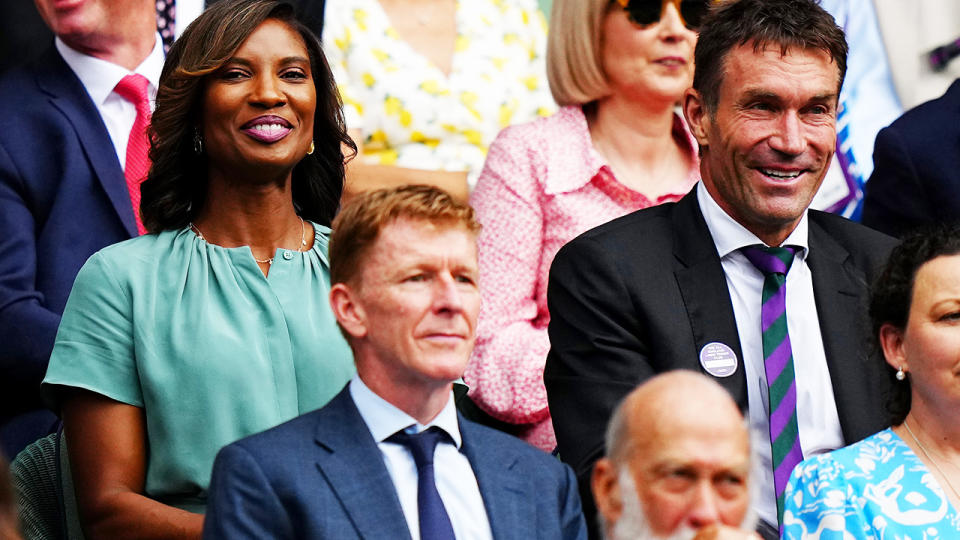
(63,194)
(389,457)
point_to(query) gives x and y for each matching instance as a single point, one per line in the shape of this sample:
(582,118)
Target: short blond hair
(356,228)
(574,42)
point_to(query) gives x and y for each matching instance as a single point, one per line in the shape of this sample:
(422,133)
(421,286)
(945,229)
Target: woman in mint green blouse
(216,325)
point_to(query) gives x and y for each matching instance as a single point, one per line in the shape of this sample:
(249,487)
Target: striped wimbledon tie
(778,363)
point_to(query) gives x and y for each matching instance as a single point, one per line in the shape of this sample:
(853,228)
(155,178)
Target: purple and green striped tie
(778,363)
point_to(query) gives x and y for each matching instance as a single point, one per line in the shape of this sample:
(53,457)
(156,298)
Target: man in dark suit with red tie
(71,148)
(738,280)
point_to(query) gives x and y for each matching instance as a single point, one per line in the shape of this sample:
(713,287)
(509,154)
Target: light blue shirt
(453,473)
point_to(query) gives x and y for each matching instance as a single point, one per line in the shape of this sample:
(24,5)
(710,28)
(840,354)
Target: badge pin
(718,359)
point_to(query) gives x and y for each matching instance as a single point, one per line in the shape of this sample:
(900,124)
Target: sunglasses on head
(647,12)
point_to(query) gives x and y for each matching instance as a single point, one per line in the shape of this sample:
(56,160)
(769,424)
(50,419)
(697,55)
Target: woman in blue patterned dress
(902,482)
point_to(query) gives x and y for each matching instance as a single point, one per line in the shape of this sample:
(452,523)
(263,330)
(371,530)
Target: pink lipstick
(268,128)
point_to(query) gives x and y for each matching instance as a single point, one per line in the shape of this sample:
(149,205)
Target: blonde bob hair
(574,64)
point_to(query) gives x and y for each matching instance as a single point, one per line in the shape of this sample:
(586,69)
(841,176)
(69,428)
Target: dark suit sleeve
(27,326)
(242,503)
(895,200)
(596,353)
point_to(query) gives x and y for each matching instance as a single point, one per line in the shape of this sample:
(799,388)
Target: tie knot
(421,445)
(770,260)
(133,88)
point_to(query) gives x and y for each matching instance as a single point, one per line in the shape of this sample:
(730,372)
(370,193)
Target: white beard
(634,525)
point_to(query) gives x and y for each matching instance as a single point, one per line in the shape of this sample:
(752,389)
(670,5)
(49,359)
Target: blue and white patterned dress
(877,488)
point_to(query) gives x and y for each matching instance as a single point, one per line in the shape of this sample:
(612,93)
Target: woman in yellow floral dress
(427,85)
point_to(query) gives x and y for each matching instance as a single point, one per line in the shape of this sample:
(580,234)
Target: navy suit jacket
(916,168)
(643,294)
(63,196)
(322,475)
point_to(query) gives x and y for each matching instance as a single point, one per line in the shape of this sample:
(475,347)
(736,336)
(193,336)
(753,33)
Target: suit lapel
(505,495)
(703,287)
(839,290)
(67,94)
(351,462)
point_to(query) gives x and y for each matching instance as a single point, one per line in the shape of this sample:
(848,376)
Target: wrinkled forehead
(705,441)
(404,242)
(749,57)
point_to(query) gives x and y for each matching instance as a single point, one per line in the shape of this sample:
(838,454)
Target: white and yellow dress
(412,114)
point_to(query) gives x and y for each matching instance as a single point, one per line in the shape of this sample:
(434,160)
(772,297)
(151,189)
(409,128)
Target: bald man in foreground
(678,464)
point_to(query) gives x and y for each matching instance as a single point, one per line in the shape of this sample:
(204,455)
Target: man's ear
(348,310)
(695,111)
(891,341)
(606,491)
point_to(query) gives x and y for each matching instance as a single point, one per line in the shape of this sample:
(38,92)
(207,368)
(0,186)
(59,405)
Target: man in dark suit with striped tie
(738,280)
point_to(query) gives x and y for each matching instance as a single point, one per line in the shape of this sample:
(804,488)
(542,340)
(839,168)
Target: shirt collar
(574,162)
(729,236)
(383,419)
(100,77)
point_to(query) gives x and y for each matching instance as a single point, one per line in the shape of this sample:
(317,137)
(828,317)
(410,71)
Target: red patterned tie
(133,88)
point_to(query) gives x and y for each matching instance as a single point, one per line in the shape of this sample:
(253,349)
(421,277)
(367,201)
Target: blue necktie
(434,521)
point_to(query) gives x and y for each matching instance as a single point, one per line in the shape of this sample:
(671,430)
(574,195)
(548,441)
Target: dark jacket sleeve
(895,200)
(596,357)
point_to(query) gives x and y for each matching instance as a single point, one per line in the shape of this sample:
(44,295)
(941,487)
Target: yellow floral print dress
(410,113)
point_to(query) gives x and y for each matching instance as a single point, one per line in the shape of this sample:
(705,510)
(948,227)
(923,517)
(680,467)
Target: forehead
(698,442)
(769,69)
(938,279)
(403,242)
(273,35)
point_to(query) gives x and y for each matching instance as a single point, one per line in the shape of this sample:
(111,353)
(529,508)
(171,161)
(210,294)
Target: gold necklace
(303,241)
(930,458)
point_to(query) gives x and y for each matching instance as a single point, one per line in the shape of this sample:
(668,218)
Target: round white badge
(718,359)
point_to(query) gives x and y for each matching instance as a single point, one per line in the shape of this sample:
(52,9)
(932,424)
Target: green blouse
(209,347)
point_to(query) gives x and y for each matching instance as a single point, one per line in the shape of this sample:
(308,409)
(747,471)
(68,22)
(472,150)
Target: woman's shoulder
(131,257)
(565,128)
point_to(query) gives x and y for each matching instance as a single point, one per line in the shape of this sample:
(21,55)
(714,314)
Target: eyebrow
(283,61)
(767,95)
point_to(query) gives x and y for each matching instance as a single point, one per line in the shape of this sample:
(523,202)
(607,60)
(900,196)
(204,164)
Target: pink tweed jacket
(543,184)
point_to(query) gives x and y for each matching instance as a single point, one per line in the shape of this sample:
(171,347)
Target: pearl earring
(901,375)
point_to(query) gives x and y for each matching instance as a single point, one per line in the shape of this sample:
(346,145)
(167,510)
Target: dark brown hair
(359,224)
(786,24)
(892,295)
(176,186)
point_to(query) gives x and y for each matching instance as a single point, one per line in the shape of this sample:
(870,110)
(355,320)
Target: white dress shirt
(817,417)
(453,474)
(100,77)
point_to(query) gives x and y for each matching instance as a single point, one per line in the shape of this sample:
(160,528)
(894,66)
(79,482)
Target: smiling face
(414,307)
(647,62)
(767,146)
(929,347)
(258,108)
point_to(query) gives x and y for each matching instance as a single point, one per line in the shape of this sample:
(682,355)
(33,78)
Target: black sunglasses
(647,12)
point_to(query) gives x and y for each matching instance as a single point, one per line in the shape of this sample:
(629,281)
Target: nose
(672,27)
(788,138)
(447,296)
(703,509)
(267,92)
